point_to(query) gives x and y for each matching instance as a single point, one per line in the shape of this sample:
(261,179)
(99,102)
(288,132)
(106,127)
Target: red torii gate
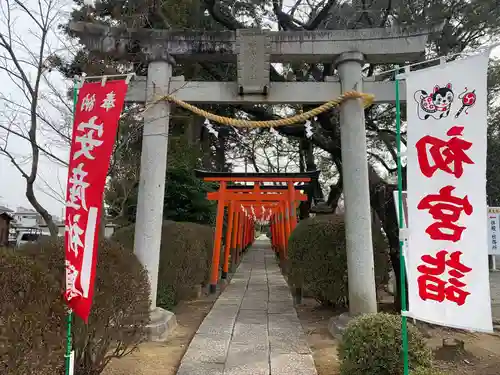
(280,200)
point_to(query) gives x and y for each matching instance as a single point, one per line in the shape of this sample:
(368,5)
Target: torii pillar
(149,216)
(358,223)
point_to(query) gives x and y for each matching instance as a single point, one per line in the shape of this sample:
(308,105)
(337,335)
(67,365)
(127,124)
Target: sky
(52,176)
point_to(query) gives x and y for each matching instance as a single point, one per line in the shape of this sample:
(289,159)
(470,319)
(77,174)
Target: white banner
(494,230)
(492,222)
(448,276)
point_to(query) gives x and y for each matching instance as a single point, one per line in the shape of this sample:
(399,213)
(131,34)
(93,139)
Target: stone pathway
(253,328)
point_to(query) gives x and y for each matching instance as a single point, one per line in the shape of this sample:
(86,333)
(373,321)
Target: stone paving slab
(292,364)
(253,328)
(207,349)
(247,359)
(190,368)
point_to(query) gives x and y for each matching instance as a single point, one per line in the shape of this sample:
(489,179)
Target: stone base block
(162,324)
(338,324)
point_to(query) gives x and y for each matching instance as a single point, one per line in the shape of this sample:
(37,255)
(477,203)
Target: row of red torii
(274,204)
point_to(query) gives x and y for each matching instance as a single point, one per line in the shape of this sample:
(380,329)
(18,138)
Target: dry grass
(155,358)
(480,357)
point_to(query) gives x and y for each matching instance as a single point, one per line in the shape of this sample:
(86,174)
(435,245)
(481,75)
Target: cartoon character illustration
(437,104)
(468,99)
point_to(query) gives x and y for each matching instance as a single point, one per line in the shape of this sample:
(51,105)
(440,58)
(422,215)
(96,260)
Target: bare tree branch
(25,65)
(48,153)
(316,21)
(214,9)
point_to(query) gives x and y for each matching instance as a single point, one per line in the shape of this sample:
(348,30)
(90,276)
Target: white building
(27,218)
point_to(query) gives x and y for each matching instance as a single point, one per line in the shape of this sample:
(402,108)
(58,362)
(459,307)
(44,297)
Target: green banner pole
(69,321)
(69,316)
(402,271)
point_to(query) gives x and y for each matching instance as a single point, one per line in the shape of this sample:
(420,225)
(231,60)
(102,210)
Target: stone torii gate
(253,51)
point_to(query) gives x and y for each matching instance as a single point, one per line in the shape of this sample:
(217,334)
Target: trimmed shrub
(185,257)
(318,259)
(120,310)
(371,345)
(31,318)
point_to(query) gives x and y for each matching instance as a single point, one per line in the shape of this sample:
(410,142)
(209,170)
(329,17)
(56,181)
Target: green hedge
(185,258)
(117,322)
(371,345)
(31,317)
(318,258)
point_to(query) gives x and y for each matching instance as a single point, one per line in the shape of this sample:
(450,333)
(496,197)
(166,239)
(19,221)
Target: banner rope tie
(294,120)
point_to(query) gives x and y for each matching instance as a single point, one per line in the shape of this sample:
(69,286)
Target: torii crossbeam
(277,204)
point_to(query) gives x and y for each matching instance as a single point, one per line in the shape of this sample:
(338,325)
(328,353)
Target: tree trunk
(220,153)
(309,155)
(102,223)
(193,130)
(302,163)
(304,209)
(30,194)
(334,195)
(205,148)
(382,201)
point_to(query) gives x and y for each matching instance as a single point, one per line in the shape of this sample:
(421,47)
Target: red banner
(95,125)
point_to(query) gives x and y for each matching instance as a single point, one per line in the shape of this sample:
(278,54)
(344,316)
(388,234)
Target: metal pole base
(212,289)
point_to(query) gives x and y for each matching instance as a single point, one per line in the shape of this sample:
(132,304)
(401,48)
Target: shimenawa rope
(294,120)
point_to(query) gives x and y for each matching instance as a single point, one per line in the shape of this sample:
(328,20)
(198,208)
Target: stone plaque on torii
(254,50)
